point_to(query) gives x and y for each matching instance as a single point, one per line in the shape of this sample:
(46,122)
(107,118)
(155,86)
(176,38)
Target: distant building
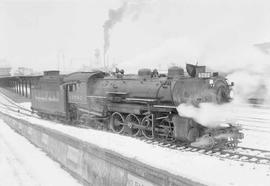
(5,69)
(23,71)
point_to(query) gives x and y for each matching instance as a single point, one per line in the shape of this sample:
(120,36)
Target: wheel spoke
(116,122)
(132,120)
(148,123)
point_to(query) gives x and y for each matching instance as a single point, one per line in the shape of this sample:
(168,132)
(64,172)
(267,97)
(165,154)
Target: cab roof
(83,76)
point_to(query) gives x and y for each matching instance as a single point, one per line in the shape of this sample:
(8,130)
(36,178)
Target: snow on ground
(22,164)
(193,165)
(255,122)
(26,105)
(259,140)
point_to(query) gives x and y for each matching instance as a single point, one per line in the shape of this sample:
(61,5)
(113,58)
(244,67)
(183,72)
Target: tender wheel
(117,122)
(147,122)
(132,120)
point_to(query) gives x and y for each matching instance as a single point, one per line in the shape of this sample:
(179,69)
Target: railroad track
(18,110)
(242,154)
(13,104)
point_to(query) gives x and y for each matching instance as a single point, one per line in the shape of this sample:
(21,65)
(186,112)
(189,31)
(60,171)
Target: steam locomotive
(143,104)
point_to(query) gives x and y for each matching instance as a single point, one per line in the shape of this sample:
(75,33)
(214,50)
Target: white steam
(165,55)
(250,85)
(208,114)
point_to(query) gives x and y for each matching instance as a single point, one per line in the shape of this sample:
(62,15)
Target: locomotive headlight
(231,94)
(229,82)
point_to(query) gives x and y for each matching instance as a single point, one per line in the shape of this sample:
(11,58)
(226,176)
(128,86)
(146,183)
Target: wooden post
(26,90)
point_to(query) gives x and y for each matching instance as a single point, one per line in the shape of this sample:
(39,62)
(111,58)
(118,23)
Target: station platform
(22,164)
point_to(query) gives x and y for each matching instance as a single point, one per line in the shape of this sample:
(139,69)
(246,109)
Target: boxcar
(77,85)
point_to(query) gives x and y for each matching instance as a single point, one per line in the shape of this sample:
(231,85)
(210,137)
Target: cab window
(72,87)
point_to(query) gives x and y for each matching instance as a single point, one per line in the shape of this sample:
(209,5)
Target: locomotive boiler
(143,104)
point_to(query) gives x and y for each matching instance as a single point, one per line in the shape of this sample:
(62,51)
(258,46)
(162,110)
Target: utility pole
(63,60)
(58,60)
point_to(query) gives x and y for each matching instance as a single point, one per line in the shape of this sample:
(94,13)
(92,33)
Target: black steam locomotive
(143,104)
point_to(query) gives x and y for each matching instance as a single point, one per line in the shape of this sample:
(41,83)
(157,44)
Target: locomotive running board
(99,97)
(117,93)
(164,106)
(141,100)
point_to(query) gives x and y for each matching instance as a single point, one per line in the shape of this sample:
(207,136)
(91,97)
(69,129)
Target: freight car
(143,104)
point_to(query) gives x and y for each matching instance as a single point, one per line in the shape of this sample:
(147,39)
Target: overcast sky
(45,34)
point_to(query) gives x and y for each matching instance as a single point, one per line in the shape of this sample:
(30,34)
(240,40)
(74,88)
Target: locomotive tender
(143,104)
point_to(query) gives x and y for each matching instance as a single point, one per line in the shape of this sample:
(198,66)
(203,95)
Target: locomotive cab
(77,86)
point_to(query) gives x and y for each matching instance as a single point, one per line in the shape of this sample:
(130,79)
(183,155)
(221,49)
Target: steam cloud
(208,114)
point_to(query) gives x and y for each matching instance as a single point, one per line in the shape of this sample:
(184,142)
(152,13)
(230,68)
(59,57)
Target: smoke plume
(115,16)
(129,7)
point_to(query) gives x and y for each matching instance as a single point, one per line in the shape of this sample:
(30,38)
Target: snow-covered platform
(22,164)
(132,161)
(92,164)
